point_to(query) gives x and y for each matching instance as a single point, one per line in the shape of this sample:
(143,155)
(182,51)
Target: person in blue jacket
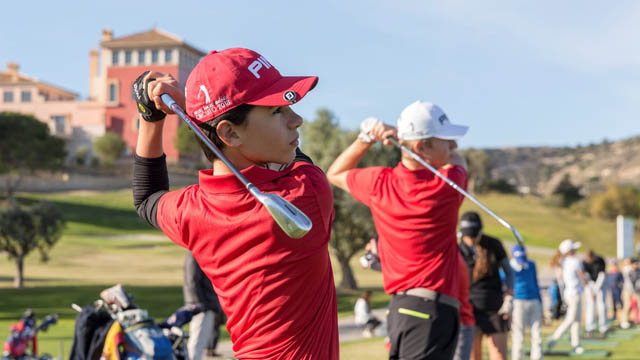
(527,305)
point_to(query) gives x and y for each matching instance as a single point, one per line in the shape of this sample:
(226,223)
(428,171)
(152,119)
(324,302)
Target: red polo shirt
(416,214)
(277,292)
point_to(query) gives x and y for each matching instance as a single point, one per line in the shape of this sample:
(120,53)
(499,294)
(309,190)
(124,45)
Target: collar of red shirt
(221,184)
(418,174)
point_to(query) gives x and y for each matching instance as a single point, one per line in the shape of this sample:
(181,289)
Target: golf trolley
(22,343)
(125,331)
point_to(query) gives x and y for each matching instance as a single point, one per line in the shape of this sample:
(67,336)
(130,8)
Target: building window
(114,57)
(127,57)
(113,92)
(8,96)
(141,57)
(168,56)
(59,122)
(154,56)
(25,96)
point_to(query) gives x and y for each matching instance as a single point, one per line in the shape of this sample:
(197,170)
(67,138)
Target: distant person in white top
(574,280)
(363,316)
(629,276)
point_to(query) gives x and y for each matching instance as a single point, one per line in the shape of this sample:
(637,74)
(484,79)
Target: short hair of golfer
(278,292)
(416,214)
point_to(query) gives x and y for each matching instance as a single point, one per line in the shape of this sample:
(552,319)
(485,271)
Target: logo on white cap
(422,120)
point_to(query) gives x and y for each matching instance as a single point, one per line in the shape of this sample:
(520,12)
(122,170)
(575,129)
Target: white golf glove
(365,127)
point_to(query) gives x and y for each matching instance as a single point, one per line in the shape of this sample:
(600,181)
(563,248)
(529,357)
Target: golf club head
(290,219)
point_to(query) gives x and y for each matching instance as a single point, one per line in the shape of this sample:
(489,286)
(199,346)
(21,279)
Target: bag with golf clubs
(22,342)
(115,328)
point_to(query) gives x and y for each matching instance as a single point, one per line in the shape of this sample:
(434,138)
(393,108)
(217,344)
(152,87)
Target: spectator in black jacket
(595,293)
(198,292)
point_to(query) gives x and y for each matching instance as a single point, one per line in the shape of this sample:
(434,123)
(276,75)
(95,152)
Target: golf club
(292,221)
(458,188)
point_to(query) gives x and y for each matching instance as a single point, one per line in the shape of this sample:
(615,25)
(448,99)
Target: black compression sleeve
(150,182)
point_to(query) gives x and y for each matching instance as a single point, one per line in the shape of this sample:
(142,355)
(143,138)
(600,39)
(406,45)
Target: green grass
(105,243)
(545,226)
(374,349)
(96,213)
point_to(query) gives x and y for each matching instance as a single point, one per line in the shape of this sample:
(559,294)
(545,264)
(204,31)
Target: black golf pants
(421,329)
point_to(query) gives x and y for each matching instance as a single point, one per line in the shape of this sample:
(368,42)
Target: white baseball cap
(422,120)
(568,245)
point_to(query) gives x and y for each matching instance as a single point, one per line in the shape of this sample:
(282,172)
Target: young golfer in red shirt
(415,214)
(278,292)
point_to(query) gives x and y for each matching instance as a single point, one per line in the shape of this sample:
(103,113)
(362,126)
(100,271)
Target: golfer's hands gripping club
(373,130)
(147,89)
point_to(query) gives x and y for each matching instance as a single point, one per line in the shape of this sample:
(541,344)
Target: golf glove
(146,107)
(365,127)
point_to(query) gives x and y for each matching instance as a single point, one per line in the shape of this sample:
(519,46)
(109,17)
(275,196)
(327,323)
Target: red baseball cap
(229,78)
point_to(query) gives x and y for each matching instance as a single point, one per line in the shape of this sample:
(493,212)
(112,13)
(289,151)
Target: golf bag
(22,342)
(116,329)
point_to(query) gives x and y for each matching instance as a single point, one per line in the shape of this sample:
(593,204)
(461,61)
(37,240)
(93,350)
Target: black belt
(432,295)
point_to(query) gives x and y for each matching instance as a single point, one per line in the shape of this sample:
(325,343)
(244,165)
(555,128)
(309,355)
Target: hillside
(539,169)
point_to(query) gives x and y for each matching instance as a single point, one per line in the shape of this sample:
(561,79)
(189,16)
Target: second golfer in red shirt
(415,214)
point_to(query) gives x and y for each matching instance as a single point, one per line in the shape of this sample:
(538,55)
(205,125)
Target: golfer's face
(271,134)
(440,151)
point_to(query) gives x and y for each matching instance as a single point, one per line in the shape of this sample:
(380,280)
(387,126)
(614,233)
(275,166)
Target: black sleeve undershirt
(151,181)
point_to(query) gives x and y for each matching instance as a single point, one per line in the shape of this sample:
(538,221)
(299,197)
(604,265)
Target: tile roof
(6,78)
(151,38)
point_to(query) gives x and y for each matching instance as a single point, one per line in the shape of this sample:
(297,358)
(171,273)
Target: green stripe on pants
(413,313)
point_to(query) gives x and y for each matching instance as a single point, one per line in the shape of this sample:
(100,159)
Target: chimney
(107,35)
(93,72)
(13,71)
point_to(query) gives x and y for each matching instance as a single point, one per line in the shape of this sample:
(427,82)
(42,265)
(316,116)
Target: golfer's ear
(418,147)
(227,133)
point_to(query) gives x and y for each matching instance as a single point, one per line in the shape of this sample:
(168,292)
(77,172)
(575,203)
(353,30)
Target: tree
(26,146)
(109,147)
(502,186)
(353,225)
(566,192)
(184,140)
(616,200)
(479,169)
(23,230)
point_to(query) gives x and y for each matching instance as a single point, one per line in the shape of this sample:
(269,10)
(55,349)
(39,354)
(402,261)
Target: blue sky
(518,73)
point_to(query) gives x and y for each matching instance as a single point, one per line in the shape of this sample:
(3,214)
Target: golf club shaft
(457,188)
(168,100)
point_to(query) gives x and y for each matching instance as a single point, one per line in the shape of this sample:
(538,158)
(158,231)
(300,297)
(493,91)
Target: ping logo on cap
(290,96)
(443,119)
(256,65)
